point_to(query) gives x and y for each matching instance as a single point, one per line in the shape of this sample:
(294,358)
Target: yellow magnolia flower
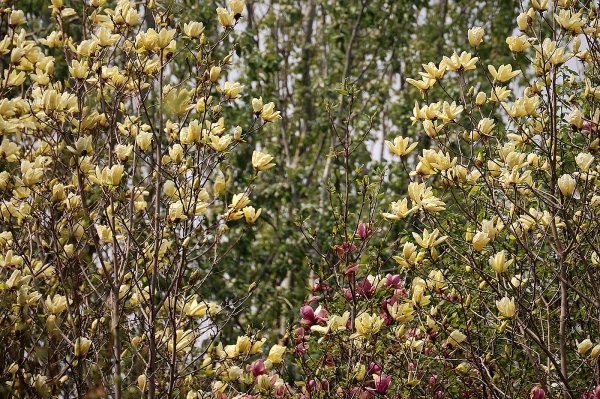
(261,161)
(410,257)
(110,176)
(276,354)
(475,36)
(566,184)
(499,263)
(518,44)
(225,17)
(549,51)
(243,345)
(257,346)
(486,125)
(219,143)
(268,115)
(257,105)
(82,345)
(237,6)
(423,85)
(506,307)
(105,38)
(541,5)
(399,210)
(429,240)
(239,201)
(432,71)
(400,146)
(251,214)
(232,90)
(123,152)
(498,94)
(193,29)
(576,118)
(57,304)
(464,62)
(584,346)
(143,140)
(596,351)
(367,325)
(214,73)
(480,240)
(571,22)
(401,312)
(184,339)
(449,112)
(480,99)
(195,308)
(422,197)
(584,161)
(456,337)
(503,73)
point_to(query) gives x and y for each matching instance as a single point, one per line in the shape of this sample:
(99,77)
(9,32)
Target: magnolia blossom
(475,36)
(276,354)
(566,184)
(400,146)
(262,161)
(503,73)
(268,114)
(499,263)
(584,346)
(367,324)
(456,337)
(506,307)
(82,345)
(232,90)
(251,214)
(225,17)
(480,240)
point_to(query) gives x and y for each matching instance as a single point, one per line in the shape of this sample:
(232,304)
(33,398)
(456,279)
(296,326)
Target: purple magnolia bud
(537,393)
(363,230)
(308,316)
(365,288)
(433,379)
(597,392)
(588,127)
(392,280)
(257,367)
(374,368)
(382,383)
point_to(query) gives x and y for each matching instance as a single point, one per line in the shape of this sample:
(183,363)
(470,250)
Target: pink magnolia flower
(365,289)
(374,368)
(537,393)
(310,316)
(382,383)
(256,368)
(364,230)
(588,127)
(392,280)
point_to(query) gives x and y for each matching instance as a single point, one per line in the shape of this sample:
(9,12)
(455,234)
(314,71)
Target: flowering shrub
(114,205)
(491,287)
(480,280)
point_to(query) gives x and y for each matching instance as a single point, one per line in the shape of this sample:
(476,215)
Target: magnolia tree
(114,205)
(481,280)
